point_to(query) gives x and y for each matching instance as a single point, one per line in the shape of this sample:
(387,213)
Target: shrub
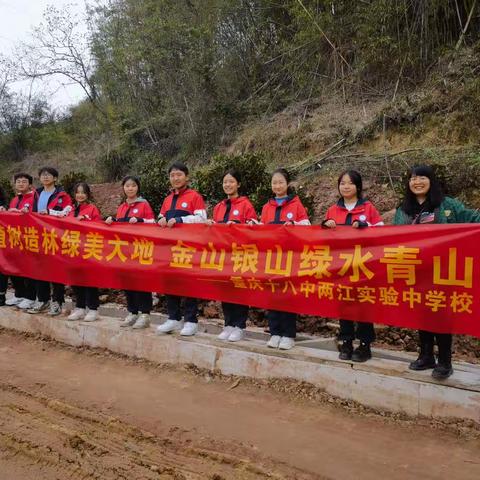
(69,181)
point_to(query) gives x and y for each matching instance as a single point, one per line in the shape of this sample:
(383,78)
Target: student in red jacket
(23,202)
(234,209)
(284,209)
(86,297)
(183,205)
(353,210)
(51,200)
(135,209)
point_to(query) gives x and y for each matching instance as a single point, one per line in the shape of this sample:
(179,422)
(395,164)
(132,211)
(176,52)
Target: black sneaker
(442,372)
(423,362)
(346,350)
(362,353)
(2,299)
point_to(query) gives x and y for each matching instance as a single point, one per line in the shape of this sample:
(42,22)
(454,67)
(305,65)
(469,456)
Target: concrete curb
(381,383)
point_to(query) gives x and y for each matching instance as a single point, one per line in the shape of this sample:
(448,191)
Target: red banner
(420,276)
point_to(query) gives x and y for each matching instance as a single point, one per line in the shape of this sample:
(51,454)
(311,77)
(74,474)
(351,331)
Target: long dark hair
(286,175)
(86,189)
(133,179)
(356,179)
(435,195)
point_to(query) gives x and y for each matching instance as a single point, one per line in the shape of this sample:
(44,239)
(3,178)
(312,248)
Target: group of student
(424,202)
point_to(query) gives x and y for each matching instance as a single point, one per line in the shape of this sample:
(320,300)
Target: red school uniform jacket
(238,210)
(140,209)
(292,210)
(27,200)
(364,212)
(58,202)
(186,206)
(88,210)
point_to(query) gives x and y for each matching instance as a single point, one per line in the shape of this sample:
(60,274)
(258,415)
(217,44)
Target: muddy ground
(81,414)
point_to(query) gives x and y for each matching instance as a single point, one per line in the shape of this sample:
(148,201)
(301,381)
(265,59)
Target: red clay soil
(66,413)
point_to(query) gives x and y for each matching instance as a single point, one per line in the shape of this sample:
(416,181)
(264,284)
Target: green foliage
(152,171)
(6,186)
(69,181)
(252,168)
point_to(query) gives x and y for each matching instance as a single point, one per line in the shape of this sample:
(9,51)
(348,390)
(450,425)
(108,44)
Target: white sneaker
(25,304)
(39,307)
(13,301)
(77,314)
(91,316)
(225,333)
(274,341)
(143,321)
(286,343)
(55,309)
(130,320)
(189,329)
(236,335)
(169,326)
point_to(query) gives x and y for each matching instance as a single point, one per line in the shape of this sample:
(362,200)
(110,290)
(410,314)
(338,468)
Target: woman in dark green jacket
(425,202)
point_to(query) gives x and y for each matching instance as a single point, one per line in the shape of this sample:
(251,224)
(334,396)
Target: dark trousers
(283,324)
(3,283)
(235,315)
(43,291)
(86,297)
(24,287)
(174,308)
(444,343)
(138,301)
(364,331)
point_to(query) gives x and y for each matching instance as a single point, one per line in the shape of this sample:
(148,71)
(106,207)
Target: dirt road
(66,414)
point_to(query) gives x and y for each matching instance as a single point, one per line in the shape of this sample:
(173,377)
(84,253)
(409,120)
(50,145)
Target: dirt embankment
(70,413)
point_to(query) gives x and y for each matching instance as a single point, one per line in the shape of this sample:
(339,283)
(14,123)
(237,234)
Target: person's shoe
(346,350)
(189,329)
(423,362)
(226,332)
(13,301)
(77,314)
(362,353)
(442,372)
(236,335)
(91,316)
(169,326)
(143,321)
(286,343)
(26,304)
(130,320)
(39,307)
(55,309)
(3,300)
(274,341)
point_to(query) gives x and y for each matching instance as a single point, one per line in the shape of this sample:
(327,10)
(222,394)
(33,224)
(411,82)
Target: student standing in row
(234,209)
(135,209)
(23,202)
(51,200)
(425,203)
(183,205)
(353,210)
(86,297)
(285,208)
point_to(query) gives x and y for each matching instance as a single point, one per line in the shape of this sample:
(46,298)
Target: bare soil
(68,413)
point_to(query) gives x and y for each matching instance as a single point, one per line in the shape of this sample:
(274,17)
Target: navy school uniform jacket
(186,206)
(292,210)
(59,203)
(238,210)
